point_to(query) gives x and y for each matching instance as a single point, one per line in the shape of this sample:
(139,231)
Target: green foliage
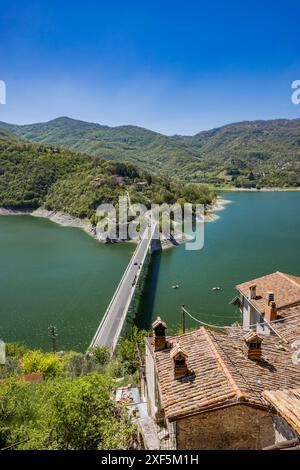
(75,414)
(270,150)
(27,171)
(48,363)
(11,368)
(33,175)
(95,219)
(79,364)
(73,408)
(101,354)
(82,410)
(127,348)
(15,350)
(116,368)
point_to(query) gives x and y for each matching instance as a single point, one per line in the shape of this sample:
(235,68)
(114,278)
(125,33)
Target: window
(180,361)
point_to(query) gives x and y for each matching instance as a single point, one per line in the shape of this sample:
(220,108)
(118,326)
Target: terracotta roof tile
(177,350)
(286,289)
(287,404)
(206,385)
(221,375)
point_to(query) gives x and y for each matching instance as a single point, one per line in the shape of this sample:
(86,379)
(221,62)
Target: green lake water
(55,275)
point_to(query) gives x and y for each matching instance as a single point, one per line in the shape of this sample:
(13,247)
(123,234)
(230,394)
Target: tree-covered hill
(149,150)
(34,175)
(258,153)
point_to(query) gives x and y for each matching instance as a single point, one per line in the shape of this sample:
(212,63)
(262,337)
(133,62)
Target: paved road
(112,323)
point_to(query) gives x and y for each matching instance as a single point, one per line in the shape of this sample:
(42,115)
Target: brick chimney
(179,358)
(252,346)
(271,312)
(159,334)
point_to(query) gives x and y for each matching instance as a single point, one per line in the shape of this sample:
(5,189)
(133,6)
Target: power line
(228,326)
(202,322)
(220,315)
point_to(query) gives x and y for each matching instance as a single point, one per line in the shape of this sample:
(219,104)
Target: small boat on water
(175,286)
(216,288)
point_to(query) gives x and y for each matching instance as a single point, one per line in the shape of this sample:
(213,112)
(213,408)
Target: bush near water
(72,408)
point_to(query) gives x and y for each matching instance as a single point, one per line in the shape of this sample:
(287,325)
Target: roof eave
(216,407)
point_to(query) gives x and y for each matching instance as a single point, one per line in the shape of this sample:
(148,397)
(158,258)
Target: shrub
(48,363)
(81,364)
(101,354)
(16,350)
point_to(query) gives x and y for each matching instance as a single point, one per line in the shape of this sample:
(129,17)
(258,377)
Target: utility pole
(53,335)
(183,318)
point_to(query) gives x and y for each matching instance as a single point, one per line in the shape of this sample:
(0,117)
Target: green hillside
(34,175)
(150,150)
(258,153)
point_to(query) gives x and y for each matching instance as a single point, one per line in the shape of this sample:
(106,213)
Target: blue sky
(171,66)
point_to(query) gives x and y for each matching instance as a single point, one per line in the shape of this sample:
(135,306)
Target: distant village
(235,388)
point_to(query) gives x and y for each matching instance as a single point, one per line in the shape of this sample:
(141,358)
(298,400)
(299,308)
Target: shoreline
(261,190)
(66,220)
(218,205)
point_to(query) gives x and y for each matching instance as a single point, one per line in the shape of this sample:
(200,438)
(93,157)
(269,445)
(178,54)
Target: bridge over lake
(114,318)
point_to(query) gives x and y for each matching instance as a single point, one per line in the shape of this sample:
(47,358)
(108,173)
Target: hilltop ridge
(244,154)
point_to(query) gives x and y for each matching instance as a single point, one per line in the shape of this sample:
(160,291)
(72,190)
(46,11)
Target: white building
(267,299)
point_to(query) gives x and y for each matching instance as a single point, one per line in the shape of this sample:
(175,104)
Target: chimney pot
(252,346)
(271,312)
(270,297)
(252,292)
(179,362)
(159,334)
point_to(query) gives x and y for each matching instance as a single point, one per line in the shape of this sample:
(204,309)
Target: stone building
(205,389)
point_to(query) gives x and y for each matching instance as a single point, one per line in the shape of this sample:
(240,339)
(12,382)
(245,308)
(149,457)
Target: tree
(127,348)
(101,354)
(77,364)
(84,415)
(74,414)
(17,410)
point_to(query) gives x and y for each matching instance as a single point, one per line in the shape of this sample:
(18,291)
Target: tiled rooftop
(286,289)
(220,374)
(287,404)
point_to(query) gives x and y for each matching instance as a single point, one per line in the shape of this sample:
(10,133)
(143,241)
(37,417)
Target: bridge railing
(150,235)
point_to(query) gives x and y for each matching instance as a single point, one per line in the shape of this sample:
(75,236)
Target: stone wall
(150,383)
(235,427)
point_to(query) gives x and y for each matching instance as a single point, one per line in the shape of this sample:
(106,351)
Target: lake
(56,275)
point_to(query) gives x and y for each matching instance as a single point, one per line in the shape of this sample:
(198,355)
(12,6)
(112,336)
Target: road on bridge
(112,323)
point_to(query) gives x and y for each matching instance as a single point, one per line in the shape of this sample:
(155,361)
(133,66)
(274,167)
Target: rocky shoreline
(217,206)
(67,220)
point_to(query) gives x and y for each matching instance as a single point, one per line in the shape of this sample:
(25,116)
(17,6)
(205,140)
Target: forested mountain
(258,153)
(34,175)
(150,150)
